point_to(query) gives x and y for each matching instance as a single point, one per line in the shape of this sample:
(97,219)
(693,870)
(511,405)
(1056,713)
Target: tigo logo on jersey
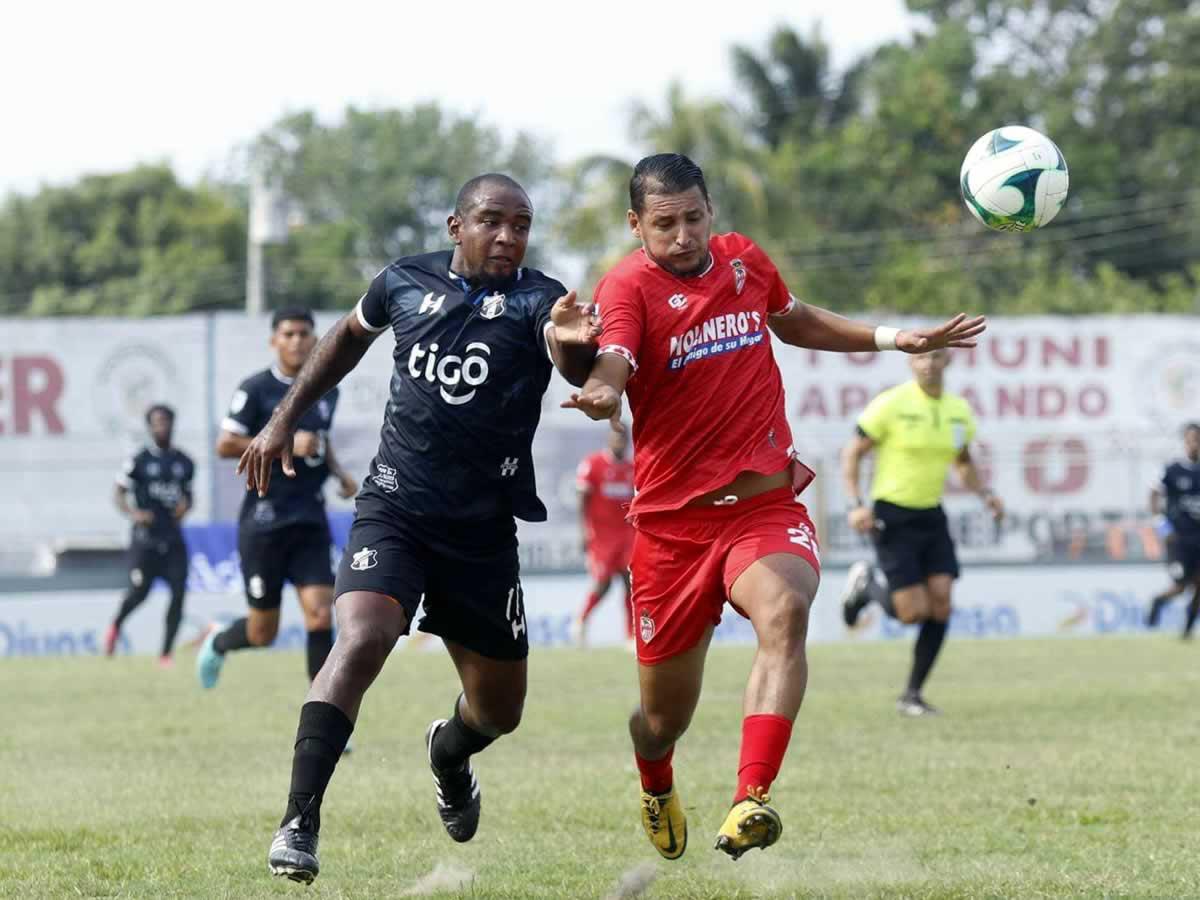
(677,301)
(450,371)
(739,275)
(493,306)
(364,559)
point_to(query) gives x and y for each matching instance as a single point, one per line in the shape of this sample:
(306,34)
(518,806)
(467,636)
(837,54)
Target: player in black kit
(1180,489)
(283,535)
(476,338)
(159,478)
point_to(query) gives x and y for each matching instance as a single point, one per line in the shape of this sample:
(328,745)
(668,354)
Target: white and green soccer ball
(1014,179)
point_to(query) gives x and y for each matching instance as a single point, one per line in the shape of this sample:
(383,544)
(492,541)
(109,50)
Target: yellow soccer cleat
(665,823)
(751,823)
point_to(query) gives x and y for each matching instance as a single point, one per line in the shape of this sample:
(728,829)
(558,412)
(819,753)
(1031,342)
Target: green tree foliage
(855,177)
(375,185)
(136,243)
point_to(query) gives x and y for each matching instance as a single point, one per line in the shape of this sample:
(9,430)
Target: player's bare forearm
(573,361)
(600,396)
(232,446)
(334,357)
(1156,503)
(819,329)
(852,456)
(121,500)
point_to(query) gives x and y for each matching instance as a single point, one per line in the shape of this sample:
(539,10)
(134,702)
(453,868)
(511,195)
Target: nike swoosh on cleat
(672,846)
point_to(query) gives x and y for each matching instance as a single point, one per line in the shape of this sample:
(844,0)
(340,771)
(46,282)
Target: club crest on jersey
(677,301)
(364,559)
(739,275)
(493,306)
(646,627)
(385,477)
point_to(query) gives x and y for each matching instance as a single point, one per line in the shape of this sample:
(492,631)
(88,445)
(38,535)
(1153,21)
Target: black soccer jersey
(289,501)
(158,480)
(1181,487)
(471,366)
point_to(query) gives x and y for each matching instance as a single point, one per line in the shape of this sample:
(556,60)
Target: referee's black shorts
(913,544)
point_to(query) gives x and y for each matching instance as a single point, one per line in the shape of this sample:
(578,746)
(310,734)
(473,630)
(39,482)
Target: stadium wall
(1077,416)
(995,602)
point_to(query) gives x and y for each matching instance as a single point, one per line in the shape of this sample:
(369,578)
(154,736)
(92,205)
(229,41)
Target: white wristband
(885,338)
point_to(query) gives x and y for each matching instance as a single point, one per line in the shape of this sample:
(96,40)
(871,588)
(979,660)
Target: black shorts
(467,571)
(296,553)
(1183,559)
(913,544)
(167,560)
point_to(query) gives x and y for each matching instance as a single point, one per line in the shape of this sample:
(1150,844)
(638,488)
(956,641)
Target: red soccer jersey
(608,482)
(706,394)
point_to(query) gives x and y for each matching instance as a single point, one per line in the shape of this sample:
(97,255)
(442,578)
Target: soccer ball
(1014,179)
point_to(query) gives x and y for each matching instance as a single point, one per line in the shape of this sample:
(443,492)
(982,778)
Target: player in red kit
(605,482)
(716,512)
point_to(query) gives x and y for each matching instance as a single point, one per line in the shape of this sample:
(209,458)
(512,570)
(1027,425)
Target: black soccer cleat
(458,797)
(294,852)
(857,592)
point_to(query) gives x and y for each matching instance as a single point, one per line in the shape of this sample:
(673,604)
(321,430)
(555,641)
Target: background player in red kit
(685,323)
(605,482)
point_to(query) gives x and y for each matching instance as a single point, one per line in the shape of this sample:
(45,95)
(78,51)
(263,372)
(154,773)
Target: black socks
(320,739)
(232,638)
(1192,613)
(929,642)
(317,649)
(1156,608)
(455,741)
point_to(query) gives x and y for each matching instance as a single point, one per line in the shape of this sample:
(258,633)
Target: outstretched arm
(600,397)
(335,355)
(571,338)
(819,329)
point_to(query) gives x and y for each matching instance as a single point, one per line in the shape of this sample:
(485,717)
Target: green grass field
(1062,769)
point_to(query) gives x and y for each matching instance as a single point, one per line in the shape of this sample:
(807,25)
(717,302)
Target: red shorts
(609,559)
(686,561)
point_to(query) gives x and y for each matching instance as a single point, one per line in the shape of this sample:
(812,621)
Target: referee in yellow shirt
(917,431)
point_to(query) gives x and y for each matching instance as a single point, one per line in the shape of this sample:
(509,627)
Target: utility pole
(268,225)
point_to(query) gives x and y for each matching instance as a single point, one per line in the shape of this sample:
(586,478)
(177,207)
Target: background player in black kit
(159,482)
(476,336)
(1179,490)
(283,535)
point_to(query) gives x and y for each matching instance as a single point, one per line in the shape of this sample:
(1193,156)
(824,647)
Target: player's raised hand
(574,322)
(598,401)
(270,444)
(958,332)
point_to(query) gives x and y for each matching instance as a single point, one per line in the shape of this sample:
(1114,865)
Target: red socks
(764,742)
(593,600)
(657,776)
